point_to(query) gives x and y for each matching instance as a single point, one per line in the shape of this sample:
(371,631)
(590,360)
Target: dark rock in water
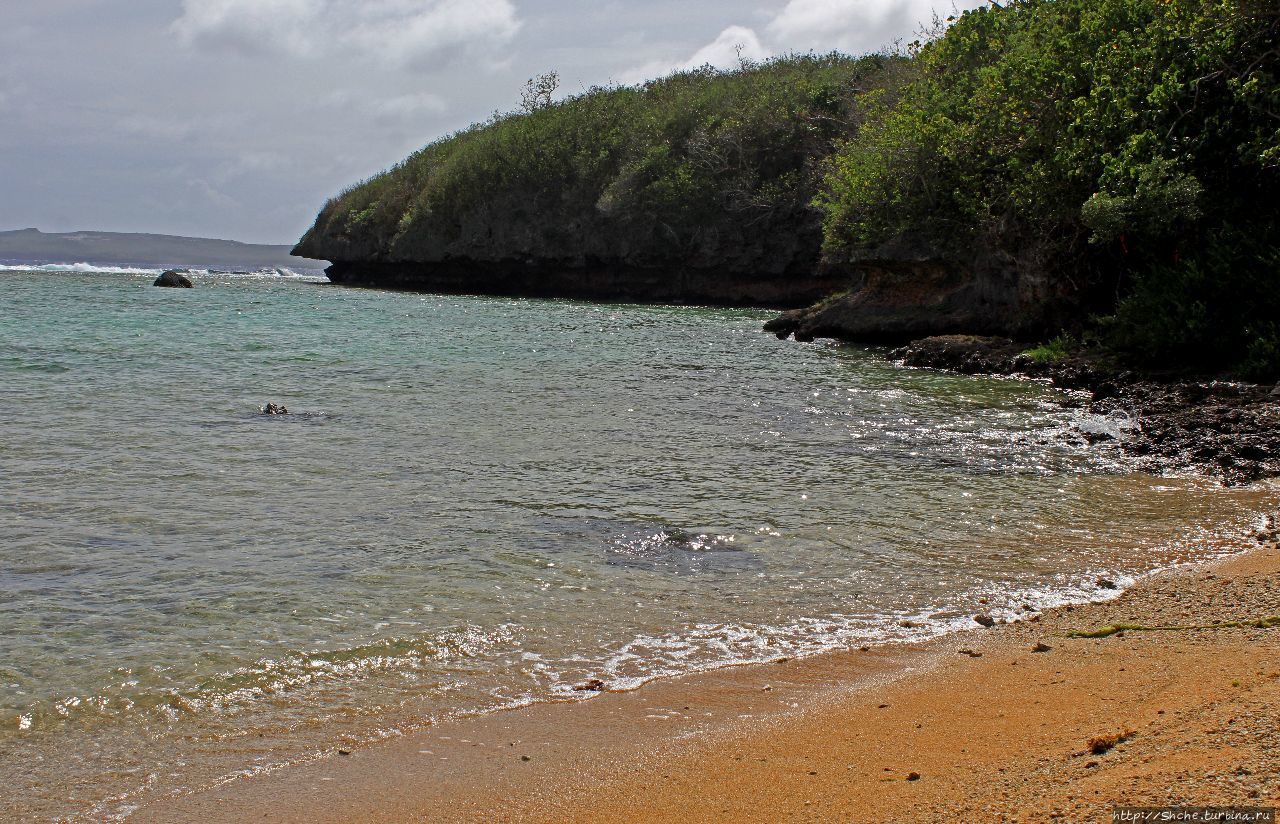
(1107,583)
(592,685)
(174,280)
(985,620)
(970,354)
(274,409)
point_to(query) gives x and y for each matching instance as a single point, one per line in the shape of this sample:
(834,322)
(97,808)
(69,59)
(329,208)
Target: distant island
(145,250)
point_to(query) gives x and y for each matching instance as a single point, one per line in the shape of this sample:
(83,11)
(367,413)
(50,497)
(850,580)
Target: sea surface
(478,503)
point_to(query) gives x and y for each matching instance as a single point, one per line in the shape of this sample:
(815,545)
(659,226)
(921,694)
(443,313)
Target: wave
(98,269)
(80,268)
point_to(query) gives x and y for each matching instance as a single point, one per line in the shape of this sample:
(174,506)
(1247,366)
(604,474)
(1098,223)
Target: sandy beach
(1019,722)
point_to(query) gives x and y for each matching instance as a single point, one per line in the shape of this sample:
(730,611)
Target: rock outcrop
(905,290)
(174,280)
(696,188)
(591,256)
(592,281)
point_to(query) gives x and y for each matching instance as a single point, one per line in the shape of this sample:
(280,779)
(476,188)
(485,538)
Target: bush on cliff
(698,166)
(1131,147)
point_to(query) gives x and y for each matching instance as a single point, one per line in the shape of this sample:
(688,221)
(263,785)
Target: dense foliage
(1130,147)
(1125,152)
(653,170)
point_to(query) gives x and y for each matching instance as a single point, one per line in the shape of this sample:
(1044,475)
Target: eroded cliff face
(518,249)
(893,293)
(593,281)
(516,246)
(900,292)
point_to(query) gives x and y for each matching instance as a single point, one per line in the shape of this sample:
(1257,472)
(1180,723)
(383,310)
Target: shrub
(662,167)
(1117,142)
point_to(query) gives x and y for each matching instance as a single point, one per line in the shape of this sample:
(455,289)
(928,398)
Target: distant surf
(84,268)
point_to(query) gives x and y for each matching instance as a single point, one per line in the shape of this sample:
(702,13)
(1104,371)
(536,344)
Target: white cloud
(733,44)
(851,26)
(392,31)
(408,31)
(854,26)
(250,25)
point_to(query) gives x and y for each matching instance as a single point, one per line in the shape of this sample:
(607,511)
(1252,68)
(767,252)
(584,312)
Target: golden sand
(973,727)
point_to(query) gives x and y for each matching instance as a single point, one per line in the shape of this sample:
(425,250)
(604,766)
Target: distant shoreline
(31,247)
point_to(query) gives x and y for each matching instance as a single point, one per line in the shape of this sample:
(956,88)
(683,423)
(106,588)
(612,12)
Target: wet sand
(975,726)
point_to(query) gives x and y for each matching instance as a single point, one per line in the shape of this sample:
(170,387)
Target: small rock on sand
(985,620)
(1041,647)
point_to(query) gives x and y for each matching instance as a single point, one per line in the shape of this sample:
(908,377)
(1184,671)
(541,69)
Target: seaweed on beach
(1268,622)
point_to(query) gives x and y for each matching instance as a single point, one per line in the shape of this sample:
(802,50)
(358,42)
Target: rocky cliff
(697,188)
(907,290)
(511,248)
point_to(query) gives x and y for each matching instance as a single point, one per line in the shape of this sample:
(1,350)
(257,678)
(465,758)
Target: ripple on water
(479,503)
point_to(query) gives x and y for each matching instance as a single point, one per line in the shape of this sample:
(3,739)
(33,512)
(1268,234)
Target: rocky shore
(1224,429)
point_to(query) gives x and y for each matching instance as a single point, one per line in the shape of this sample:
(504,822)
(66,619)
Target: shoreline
(754,742)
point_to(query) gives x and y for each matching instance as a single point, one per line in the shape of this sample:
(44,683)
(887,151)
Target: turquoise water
(481,502)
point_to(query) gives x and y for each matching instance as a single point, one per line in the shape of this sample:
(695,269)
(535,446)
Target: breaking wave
(98,269)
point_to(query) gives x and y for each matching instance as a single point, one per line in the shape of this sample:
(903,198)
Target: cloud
(853,26)
(406,32)
(250,25)
(733,44)
(408,106)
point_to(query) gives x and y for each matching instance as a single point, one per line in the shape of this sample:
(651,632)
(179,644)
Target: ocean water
(477,503)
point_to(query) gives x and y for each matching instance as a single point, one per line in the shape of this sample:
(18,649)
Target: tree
(537,92)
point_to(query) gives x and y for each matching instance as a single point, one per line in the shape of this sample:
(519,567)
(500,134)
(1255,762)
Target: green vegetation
(1125,154)
(1055,351)
(1268,622)
(700,159)
(1132,147)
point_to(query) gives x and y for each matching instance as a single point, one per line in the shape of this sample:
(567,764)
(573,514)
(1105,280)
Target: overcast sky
(238,118)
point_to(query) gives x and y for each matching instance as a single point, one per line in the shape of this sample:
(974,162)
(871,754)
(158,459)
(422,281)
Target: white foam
(81,268)
(97,269)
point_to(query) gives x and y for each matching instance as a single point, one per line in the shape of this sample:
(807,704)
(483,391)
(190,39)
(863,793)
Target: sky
(238,118)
